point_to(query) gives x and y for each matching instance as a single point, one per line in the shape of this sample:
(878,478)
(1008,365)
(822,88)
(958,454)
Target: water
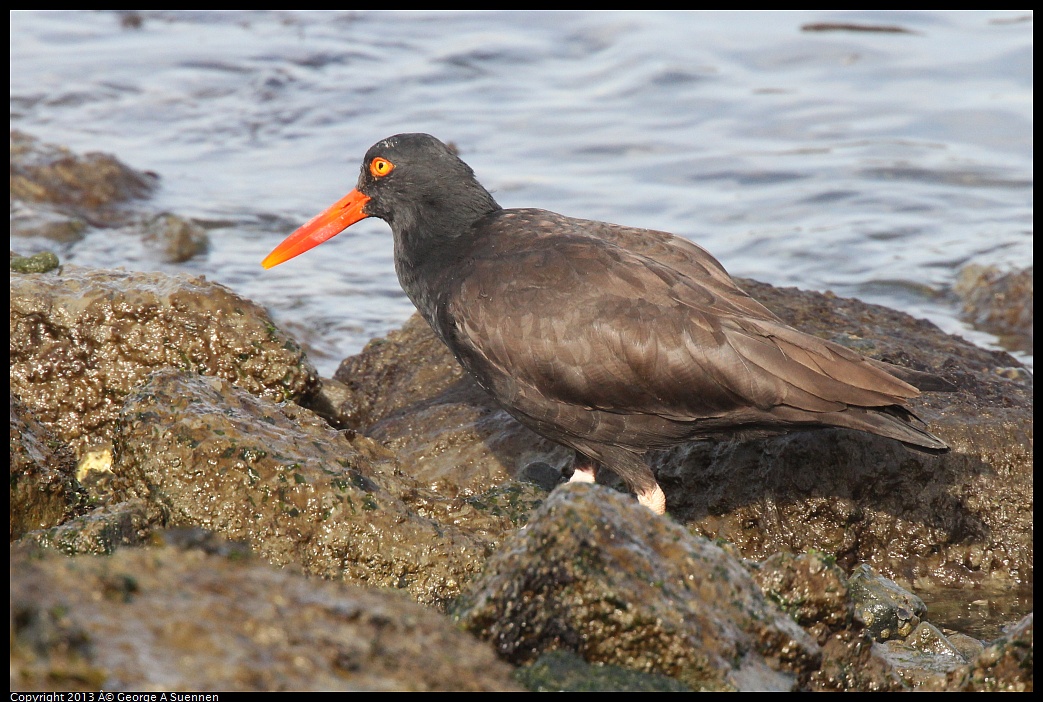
(981,614)
(874,165)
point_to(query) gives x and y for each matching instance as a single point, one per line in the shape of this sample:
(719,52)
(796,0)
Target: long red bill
(320,228)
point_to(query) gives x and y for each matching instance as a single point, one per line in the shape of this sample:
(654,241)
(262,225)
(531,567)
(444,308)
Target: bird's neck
(434,241)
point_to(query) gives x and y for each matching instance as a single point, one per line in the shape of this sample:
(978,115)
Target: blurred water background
(875,164)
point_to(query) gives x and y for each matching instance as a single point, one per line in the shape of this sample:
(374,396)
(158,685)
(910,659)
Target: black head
(415,178)
(413,182)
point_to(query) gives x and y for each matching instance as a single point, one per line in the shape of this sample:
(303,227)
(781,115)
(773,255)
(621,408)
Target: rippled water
(871,164)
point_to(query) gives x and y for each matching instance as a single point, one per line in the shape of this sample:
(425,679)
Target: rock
(90,187)
(999,302)
(852,662)
(30,220)
(204,453)
(595,573)
(564,671)
(967,646)
(176,238)
(811,589)
(83,338)
(173,619)
(142,402)
(1004,666)
(924,658)
(44,490)
(43,262)
(102,530)
(888,610)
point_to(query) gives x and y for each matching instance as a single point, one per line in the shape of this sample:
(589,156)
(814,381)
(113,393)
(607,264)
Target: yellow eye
(380,167)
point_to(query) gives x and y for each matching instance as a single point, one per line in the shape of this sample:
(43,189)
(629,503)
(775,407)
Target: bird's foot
(654,499)
(584,474)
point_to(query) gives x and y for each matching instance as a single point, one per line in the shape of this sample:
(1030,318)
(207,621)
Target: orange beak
(326,225)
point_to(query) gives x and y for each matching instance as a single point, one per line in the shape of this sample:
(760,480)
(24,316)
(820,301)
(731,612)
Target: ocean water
(873,164)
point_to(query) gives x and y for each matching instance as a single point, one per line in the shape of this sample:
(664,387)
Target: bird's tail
(894,422)
(924,382)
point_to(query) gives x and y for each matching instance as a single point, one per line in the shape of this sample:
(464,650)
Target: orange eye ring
(380,167)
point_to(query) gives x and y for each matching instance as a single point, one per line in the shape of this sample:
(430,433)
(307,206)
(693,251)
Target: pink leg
(584,470)
(653,499)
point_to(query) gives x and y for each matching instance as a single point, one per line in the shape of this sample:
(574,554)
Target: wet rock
(330,402)
(176,619)
(131,19)
(811,589)
(40,263)
(82,338)
(848,616)
(58,196)
(999,302)
(968,646)
(43,488)
(924,658)
(407,367)
(102,530)
(35,221)
(930,639)
(852,662)
(564,671)
(887,610)
(1004,666)
(176,238)
(430,479)
(597,574)
(87,186)
(204,453)
(542,474)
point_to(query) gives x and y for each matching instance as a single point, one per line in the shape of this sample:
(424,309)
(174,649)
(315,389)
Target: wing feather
(630,321)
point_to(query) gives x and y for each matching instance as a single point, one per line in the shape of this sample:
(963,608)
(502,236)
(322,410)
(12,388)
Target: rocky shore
(194,508)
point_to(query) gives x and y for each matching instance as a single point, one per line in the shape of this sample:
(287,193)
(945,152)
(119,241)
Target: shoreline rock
(146,406)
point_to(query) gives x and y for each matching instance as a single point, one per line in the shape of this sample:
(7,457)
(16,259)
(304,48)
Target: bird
(610,340)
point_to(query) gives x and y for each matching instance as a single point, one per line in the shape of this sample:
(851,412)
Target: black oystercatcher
(608,339)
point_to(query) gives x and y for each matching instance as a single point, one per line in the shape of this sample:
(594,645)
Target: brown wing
(588,322)
(686,257)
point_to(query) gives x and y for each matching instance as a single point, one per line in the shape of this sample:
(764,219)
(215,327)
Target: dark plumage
(608,339)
